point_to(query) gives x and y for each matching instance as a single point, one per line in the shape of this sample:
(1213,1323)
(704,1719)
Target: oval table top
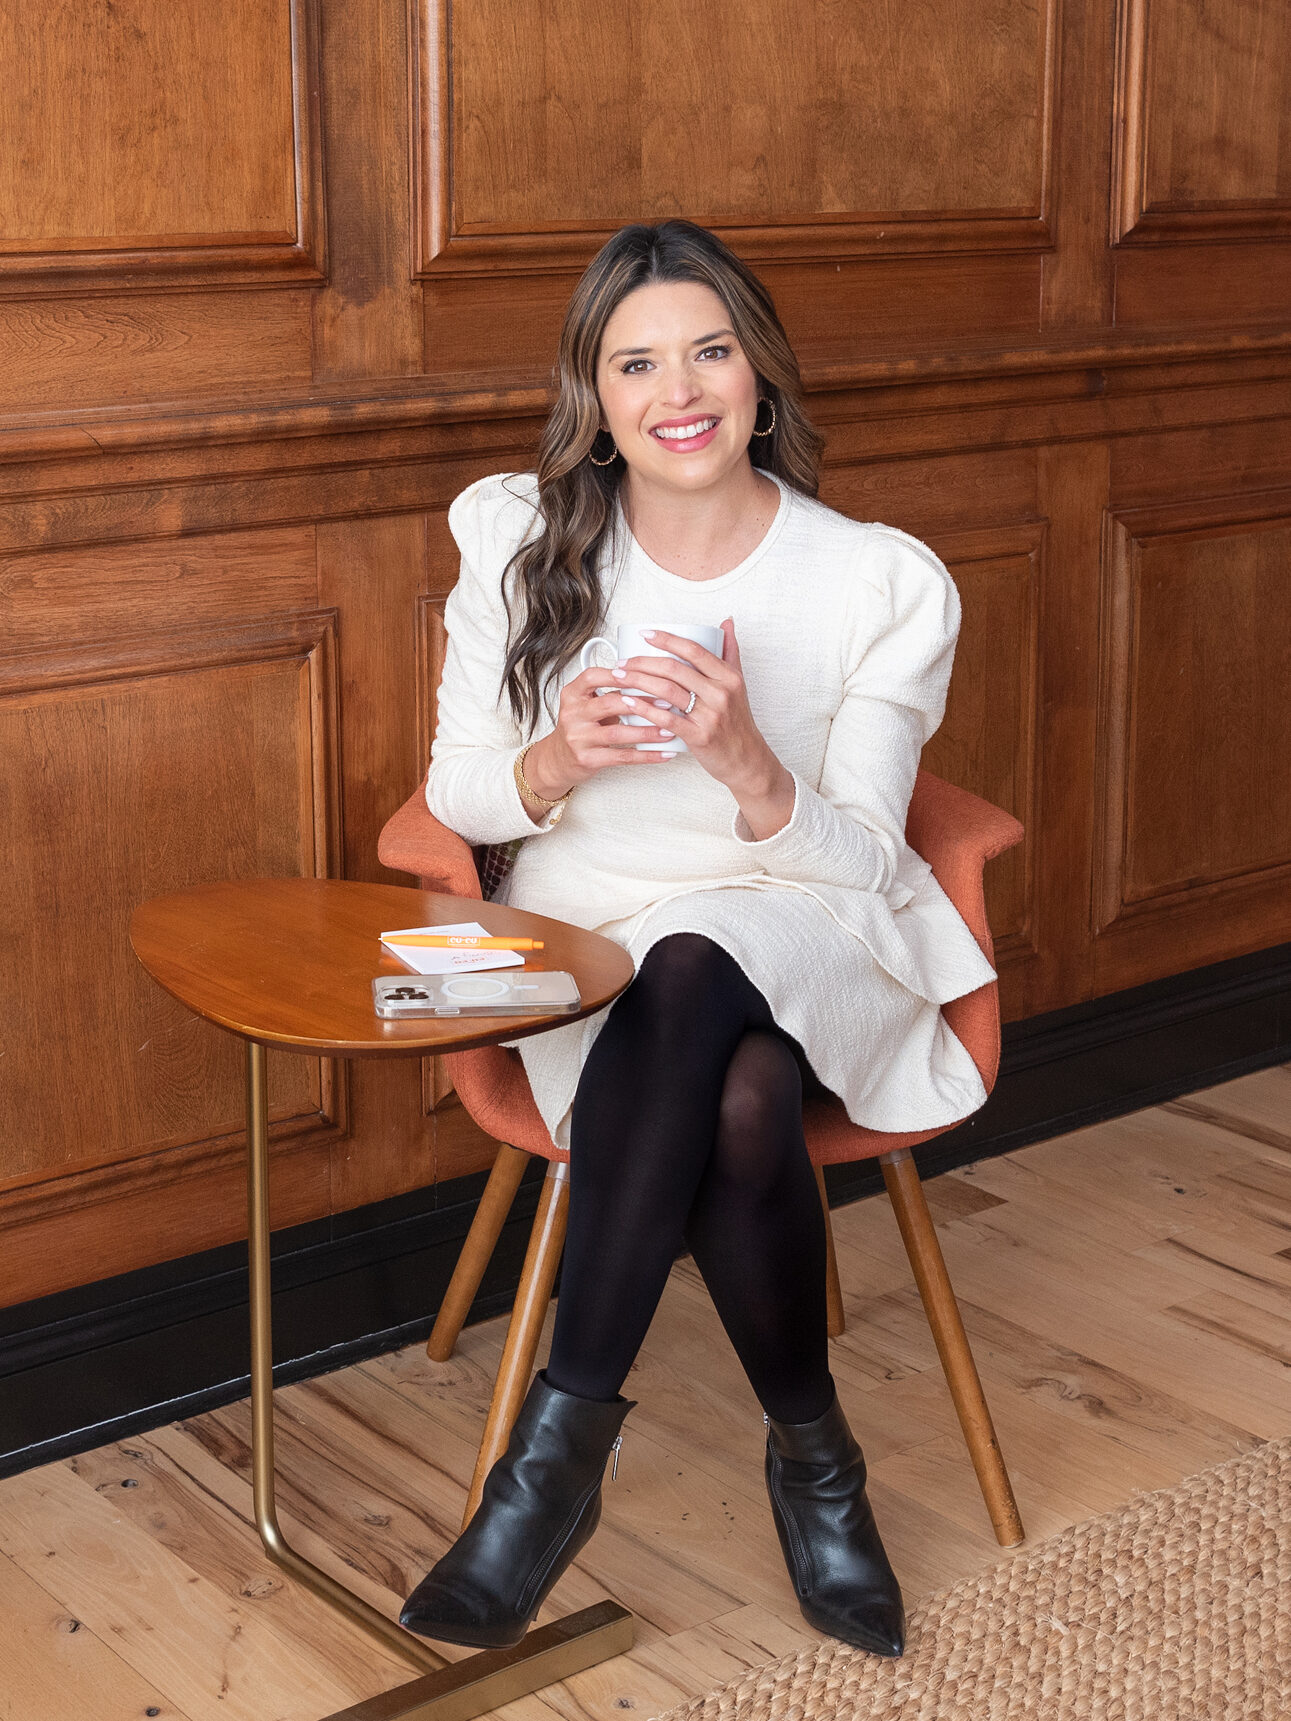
(290,962)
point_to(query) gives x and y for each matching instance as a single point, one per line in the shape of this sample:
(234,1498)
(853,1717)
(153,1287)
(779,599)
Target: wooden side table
(290,963)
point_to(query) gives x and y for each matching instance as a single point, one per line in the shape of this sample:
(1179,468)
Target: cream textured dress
(846,636)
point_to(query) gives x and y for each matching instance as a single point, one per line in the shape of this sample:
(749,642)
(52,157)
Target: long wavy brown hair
(555,575)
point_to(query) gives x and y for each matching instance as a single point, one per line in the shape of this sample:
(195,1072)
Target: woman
(786,939)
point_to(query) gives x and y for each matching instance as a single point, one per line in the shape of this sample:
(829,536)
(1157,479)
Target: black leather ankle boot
(540,1504)
(844,1583)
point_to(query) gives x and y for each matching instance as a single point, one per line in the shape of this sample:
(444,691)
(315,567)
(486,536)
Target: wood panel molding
(1198,151)
(164,1172)
(574,110)
(179,756)
(990,738)
(59,1239)
(164,204)
(94,593)
(477,415)
(1193,809)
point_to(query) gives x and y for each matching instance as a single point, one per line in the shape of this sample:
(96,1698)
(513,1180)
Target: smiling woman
(706,380)
(682,411)
(786,938)
(657,309)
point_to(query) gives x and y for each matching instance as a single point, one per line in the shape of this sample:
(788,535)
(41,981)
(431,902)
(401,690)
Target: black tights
(687,1126)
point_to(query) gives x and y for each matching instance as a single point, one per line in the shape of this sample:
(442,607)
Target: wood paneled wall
(279,277)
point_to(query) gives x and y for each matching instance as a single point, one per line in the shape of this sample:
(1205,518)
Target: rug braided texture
(1176,1608)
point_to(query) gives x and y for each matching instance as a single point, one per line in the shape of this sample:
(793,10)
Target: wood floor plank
(927,1549)
(460,1388)
(1088,1207)
(162,1492)
(214,1658)
(1073,1459)
(1078,1258)
(1076,1389)
(1085,1311)
(668,1670)
(203,1458)
(1247,1325)
(1257,1106)
(939,1475)
(55,1666)
(679,1523)
(1267,1178)
(1150,1165)
(955,1196)
(1216,1260)
(371,1529)
(694,1661)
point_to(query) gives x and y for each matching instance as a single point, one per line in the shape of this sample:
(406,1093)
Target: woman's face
(677,393)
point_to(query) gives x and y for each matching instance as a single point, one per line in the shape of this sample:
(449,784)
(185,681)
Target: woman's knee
(760,1112)
(686,965)
(687,984)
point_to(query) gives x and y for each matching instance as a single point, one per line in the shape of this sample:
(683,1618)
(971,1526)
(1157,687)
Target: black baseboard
(115,1358)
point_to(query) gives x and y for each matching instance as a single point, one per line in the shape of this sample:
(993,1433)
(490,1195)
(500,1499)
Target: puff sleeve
(471,783)
(850,828)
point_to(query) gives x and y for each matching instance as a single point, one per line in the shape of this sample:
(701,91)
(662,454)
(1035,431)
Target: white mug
(631,644)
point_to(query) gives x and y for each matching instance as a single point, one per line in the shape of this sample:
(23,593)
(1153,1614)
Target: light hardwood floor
(1127,1290)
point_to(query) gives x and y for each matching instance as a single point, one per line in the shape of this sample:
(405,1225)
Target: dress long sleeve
(850,830)
(471,785)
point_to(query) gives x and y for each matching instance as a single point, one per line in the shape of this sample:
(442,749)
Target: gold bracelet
(529,793)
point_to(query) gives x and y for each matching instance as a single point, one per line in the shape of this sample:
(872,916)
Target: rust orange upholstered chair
(956,833)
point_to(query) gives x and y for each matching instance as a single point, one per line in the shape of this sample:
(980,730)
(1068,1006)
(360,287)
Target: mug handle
(584,659)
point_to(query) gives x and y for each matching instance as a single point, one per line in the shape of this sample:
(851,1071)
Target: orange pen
(464,941)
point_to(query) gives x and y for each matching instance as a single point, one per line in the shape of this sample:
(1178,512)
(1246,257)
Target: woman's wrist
(767,801)
(544,776)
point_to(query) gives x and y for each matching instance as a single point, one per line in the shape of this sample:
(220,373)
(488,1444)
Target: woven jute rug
(1177,1608)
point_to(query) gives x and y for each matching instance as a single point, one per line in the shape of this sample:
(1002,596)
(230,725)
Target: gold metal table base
(446,1691)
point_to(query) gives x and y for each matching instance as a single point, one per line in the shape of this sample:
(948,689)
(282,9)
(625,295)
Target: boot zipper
(614,1469)
(553,1554)
(795,1538)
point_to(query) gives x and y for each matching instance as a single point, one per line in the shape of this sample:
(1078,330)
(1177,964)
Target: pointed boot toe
(871,1622)
(540,1504)
(841,1574)
(452,1614)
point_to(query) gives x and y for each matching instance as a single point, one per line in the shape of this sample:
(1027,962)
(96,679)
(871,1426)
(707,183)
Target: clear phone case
(519,992)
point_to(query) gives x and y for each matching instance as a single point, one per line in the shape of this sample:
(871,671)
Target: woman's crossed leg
(687,1124)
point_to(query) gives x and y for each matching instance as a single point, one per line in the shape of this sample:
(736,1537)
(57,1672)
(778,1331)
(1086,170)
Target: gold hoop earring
(613,457)
(770,427)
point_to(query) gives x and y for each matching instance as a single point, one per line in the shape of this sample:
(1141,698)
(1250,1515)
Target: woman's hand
(588,737)
(720,730)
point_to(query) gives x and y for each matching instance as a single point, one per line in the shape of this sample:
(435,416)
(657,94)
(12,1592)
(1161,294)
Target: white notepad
(426,959)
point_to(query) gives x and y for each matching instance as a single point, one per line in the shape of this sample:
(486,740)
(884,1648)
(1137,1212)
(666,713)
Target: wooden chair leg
(516,1368)
(837,1321)
(920,1239)
(477,1251)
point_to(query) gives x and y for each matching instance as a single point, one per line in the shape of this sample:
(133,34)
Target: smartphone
(520,992)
